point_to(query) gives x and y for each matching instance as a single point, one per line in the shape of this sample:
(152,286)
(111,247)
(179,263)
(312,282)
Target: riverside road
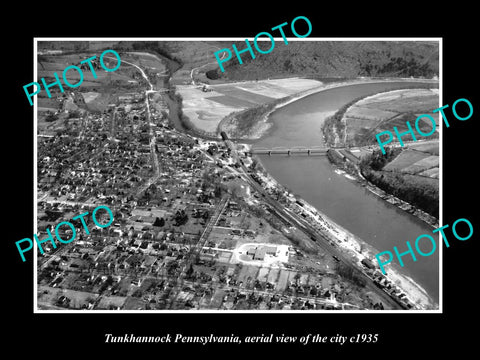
(323,242)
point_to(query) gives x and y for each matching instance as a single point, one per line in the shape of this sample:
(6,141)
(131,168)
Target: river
(375,221)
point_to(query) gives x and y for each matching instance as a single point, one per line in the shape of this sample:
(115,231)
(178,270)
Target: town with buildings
(197,224)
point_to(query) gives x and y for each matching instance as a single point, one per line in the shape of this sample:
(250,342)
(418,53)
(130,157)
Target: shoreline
(385,196)
(358,249)
(262,126)
(355,247)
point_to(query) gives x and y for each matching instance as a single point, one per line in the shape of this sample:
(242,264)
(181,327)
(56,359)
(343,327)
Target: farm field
(415,162)
(206,109)
(368,113)
(433,173)
(49,64)
(406,158)
(422,165)
(382,112)
(409,100)
(430,148)
(96,93)
(56,64)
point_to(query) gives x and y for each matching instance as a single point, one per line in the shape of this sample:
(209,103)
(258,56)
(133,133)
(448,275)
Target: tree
(137,293)
(51,117)
(213,74)
(296,278)
(159,222)
(349,273)
(74,114)
(218,191)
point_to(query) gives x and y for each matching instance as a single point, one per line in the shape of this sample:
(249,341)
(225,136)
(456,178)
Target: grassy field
(384,111)
(406,158)
(48,65)
(282,280)
(263,274)
(422,165)
(97,93)
(418,101)
(415,162)
(430,148)
(368,113)
(407,173)
(433,173)
(48,103)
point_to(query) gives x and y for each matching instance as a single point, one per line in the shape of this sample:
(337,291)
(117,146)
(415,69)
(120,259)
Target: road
(153,154)
(203,238)
(265,293)
(323,241)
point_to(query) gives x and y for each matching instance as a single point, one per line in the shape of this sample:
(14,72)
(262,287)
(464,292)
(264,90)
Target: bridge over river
(315,150)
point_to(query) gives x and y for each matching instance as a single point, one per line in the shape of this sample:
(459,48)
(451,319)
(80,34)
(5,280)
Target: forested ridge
(346,59)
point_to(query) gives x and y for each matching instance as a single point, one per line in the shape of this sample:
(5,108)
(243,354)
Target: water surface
(353,207)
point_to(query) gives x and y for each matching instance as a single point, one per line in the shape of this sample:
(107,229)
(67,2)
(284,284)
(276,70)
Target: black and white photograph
(210,180)
(262,187)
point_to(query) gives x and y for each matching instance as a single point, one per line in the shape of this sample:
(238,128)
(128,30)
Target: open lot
(75,299)
(207,108)
(283,279)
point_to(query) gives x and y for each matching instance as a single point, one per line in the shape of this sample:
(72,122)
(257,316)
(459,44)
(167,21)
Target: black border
(406,334)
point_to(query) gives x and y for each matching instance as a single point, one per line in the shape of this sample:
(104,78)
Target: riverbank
(262,126)
(352,172)
(358,250)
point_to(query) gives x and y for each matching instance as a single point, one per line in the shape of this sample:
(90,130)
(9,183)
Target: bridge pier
(288,152)
(308,152)
(269,152)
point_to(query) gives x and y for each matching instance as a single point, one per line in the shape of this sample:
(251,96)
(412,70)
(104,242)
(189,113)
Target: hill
(313,59)
(323,59)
